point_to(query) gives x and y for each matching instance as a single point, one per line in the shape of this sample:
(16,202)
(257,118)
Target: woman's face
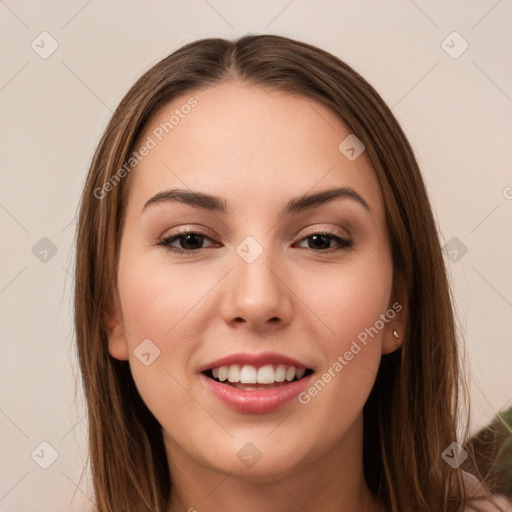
(281,279)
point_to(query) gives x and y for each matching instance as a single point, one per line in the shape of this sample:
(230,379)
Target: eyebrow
(219,205)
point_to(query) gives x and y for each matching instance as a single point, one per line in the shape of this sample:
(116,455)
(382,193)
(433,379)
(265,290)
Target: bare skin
(257,149)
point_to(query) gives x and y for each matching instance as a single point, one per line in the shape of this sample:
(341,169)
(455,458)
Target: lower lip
(258,401)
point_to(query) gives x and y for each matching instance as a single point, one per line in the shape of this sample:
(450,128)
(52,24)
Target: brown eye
(189,242)
(321,242)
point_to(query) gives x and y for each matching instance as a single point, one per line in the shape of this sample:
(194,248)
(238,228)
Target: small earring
(395,333)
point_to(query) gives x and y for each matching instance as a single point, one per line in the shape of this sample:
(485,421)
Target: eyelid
(327,231)
(185,230)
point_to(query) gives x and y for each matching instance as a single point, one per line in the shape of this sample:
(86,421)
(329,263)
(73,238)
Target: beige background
(457,113)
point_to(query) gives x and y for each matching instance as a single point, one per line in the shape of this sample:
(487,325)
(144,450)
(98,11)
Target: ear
(397,314)
(117,345)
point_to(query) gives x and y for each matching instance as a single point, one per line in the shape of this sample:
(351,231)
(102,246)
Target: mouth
(253,378)
(256,383)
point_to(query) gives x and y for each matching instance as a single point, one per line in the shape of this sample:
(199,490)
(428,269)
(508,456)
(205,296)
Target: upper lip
(257,360)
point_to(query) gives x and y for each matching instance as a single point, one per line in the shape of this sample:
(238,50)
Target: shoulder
(483,501)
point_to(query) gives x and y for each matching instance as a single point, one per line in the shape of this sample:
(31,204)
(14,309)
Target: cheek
(350,304)
(350,299)
(158,299)
(161,304)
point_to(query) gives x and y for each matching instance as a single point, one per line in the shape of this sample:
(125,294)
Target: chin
(261,460)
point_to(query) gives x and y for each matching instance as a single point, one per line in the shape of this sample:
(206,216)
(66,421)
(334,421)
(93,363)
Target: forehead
(238,137)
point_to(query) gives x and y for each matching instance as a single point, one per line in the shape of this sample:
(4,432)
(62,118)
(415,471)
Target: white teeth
(248,374)
(290,373)
(234,373)
(266,375)
(223,373)
(280,373)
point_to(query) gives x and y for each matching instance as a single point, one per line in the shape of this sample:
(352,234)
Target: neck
(332,482)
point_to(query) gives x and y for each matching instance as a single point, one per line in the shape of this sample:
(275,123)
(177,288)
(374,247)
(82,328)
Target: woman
(259,369)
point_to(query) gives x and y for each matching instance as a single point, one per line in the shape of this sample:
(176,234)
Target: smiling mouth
(252,378)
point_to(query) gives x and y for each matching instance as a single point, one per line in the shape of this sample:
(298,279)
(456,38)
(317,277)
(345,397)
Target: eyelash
(343,242)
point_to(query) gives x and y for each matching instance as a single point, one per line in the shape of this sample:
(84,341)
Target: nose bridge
(257,292)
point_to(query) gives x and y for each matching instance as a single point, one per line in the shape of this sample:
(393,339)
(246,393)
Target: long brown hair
(410,417)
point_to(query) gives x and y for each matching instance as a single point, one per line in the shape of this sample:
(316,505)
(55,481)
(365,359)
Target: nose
(257,295)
